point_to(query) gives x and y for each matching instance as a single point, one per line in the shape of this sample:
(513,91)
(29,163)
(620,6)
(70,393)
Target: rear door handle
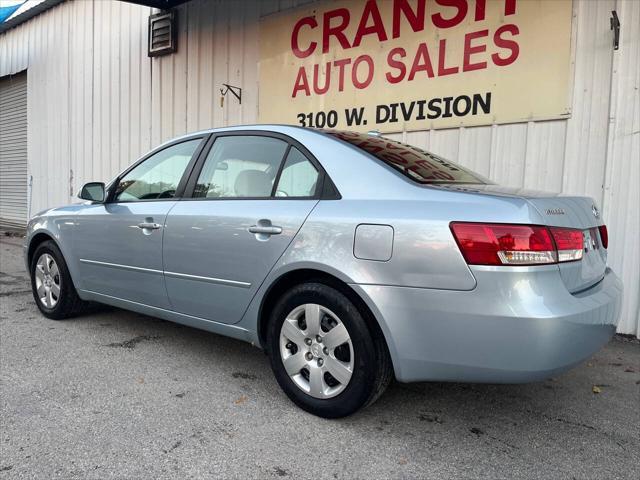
(149,226)
(266,230)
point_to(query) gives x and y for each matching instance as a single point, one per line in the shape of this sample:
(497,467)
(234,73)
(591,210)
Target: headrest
(253,183)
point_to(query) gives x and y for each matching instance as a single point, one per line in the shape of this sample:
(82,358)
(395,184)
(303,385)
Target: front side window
(158,176)
(299,177)
(413,162)
(240,166)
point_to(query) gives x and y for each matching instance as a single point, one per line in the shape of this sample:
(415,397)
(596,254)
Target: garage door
(13,151)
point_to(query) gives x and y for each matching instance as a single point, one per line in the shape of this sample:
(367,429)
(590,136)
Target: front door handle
(266,230)
(149,226)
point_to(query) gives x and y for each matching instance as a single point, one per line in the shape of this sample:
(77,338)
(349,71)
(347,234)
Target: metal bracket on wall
(237,92)
(615,26)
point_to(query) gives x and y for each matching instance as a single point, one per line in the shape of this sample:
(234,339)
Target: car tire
(51,284)
(311,388)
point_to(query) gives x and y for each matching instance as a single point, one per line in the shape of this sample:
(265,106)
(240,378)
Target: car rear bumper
(519,324)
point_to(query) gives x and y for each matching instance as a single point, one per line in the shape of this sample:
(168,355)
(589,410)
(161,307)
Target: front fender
(56,225)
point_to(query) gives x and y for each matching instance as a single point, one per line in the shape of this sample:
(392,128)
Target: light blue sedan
(350,258)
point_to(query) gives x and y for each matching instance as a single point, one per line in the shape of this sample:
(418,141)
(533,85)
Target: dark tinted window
(417,164)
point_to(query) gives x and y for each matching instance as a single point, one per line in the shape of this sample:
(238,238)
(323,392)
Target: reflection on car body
(351,259)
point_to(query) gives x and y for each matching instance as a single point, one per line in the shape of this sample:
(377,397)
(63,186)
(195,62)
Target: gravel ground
(115,394)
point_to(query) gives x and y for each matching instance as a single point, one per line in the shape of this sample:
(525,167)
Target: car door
(250,196)
(118,244)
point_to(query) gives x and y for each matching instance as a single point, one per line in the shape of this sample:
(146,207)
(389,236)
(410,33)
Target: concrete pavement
(114,394)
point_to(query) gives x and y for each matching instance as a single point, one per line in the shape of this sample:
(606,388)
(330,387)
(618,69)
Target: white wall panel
(544,155)
(622,176)
(475,148)
(96,102)
(508,149)
(587,127)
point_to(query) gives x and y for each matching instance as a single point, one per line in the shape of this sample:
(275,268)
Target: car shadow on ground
(431,402)
(415,423)
(166,390)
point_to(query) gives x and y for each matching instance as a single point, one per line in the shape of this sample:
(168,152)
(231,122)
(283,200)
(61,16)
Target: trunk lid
(564,211)
(582,213)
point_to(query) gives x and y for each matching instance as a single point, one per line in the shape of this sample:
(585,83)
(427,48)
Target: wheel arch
(37,239)
(305,275)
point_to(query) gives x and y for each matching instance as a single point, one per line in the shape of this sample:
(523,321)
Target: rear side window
(417,164)
(299,177)
(240,166)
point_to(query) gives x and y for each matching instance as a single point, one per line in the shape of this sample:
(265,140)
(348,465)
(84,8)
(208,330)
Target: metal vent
(162,34)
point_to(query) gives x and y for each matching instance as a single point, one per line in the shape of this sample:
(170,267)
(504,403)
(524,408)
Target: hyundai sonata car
(351,259)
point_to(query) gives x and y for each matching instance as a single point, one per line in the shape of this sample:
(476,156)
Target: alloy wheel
(48,280)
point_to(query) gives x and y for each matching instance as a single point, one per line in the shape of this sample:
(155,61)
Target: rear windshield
(417,164)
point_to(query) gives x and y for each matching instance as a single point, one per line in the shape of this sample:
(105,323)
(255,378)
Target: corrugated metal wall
(621,200)
(96,101)
(13,151)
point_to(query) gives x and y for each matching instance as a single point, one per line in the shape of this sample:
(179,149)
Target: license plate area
(591,240)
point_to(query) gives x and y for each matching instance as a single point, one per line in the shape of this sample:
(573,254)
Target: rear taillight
(498,244)
(604,236)
(507,244)
(569,243)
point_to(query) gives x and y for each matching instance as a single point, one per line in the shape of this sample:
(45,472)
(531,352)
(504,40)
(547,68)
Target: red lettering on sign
(295,46)
(421,62)
(301,83)
(469,50)
(370,11)
(414,17)
(442,69)
(511,45)
(393,63)
(354,71)
(481,7)
(337,31)
(460,5)
(341,64)
(327,78)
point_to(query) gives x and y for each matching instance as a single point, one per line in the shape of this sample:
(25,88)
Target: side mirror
(93,191)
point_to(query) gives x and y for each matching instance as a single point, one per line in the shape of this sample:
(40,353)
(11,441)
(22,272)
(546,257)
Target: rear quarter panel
(425,254)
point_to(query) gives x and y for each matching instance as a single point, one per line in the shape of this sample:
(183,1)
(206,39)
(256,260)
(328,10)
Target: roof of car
(272,127)
(277,127)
